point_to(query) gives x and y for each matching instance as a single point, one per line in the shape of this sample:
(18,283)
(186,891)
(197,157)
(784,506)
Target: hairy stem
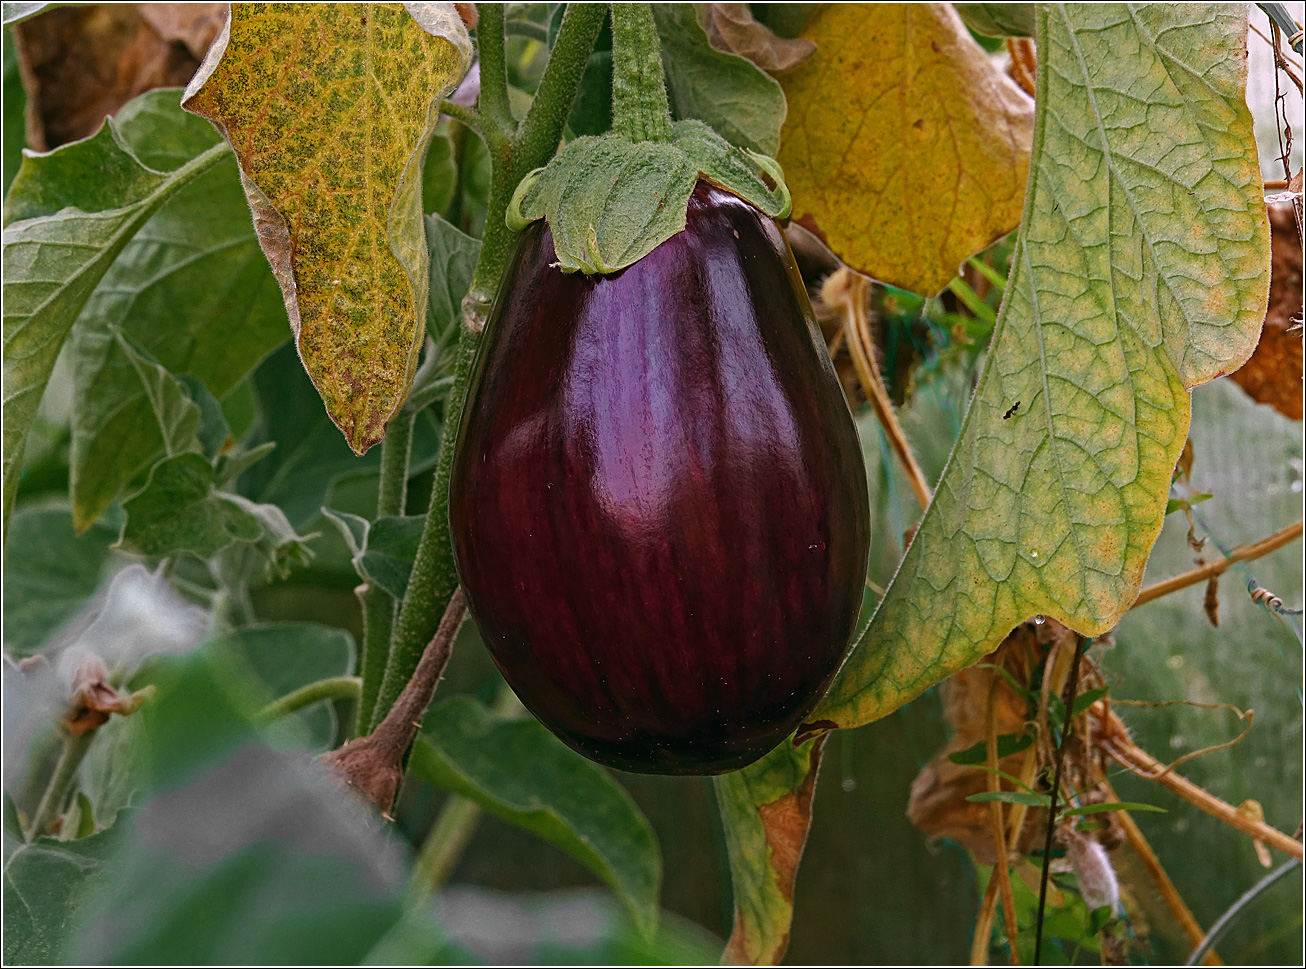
(434,577)
(378,605)
(492,105)
(1114,741)
(444,845)
(1243,553)
(56,792)
(332,688)
(640,110)
(1160,877)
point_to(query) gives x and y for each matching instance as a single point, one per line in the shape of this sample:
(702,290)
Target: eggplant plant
(421,421)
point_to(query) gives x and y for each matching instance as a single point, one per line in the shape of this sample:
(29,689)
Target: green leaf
(310,455)
(1008,744)
(286,656)
(1111,806)
(15,114)
(50,573)
(610,202)
(45,886)
(382,551)
(738,99)
(453,260)
(1011,797)
(1187,502)
(1086,699)
(338,203)
(999,19)
(766,810)
(192,291)
(63,230)
(1141,271)
(178,510)
(516,769)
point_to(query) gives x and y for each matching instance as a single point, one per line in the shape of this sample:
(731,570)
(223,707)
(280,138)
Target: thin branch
(74,750)
(1114,740)
(1001,870)
(444,845)
(1056,789)
(1243,553)
(462,114)
(333,688)
(979,948)
(374,764)
(1223,923)
(1160,877)
(848,292)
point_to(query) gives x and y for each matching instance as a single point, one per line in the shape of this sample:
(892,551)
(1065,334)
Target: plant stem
(377,604)
(56,792)
(1278,12)
(640,110)
(1071,690)
(1223,923)
(332,688)
(1113,738)
(434,577)
(444,845)
(492,104)
(1001,861)
(463,114)
(1160,877)
(1243,553)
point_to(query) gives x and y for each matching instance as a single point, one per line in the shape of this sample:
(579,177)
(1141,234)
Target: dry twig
(1243,553)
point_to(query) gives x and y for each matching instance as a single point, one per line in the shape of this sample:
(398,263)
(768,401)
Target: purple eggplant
(659,505)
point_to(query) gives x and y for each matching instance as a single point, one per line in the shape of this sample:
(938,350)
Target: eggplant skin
(658,505)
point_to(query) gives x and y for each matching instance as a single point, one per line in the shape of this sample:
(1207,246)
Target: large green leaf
(45,884)
(383,551)
(192,290)
(50,573)
(1142,270)
(766,809)
(738,99)
(515,768)
(63,230)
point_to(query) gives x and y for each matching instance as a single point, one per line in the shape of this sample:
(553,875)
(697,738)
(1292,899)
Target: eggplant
(659,507)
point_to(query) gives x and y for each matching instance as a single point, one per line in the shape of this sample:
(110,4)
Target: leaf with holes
(905,148)
(1142,269)
(329,109)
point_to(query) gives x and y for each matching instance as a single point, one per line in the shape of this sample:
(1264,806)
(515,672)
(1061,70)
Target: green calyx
(611,201)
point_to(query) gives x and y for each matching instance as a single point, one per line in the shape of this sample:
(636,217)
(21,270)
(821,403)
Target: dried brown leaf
(1273,375)
(731,27)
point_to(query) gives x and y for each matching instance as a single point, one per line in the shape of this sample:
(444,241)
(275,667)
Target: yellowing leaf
(766,810)
(329,108)
(1142,270)
(905,148)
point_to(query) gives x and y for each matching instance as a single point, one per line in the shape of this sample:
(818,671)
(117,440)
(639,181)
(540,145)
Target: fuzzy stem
(444,845)
(332,688)
(492,105)
(56,792)
(639,92)
(434,578)
(1243,553)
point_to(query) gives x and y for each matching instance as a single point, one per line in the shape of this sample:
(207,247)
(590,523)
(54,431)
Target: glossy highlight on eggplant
(659,506)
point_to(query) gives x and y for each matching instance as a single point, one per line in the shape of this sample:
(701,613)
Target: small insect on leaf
(1011,411)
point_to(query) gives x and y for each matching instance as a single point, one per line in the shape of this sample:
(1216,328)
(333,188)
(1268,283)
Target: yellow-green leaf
(905,148)
(766,810)
(330,108)
(1142,270)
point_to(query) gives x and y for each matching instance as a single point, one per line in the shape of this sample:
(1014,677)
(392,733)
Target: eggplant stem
(640,109)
